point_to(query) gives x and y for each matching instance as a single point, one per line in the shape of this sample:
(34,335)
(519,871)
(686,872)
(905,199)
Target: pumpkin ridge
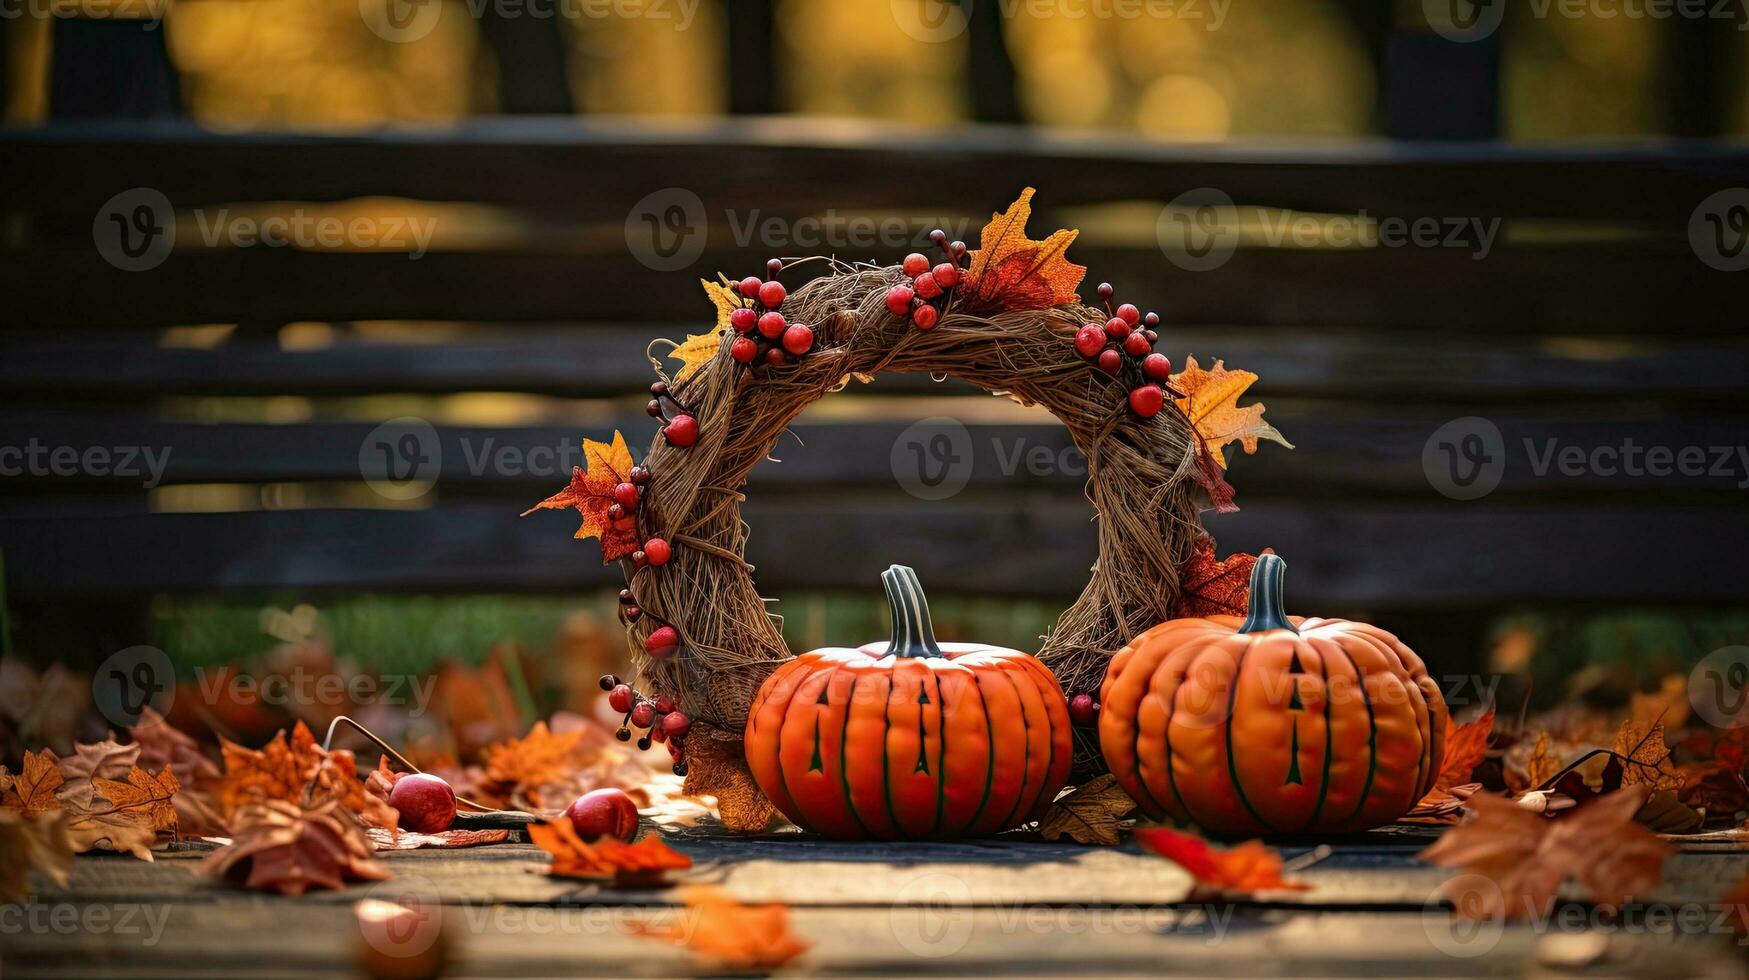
(1227,739)
(1372,737)
(1385,643)
(1025,755)
(801,819)
(989,756)
(941,754)
(844,759)
(1051,758)
(1329,737)
(1171,712)
(1166,733)
(887,757)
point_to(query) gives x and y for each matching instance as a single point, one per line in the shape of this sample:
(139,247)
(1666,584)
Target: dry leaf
(1644,757)
(163,745)
(716,768)
(1541,766)
(33,788)
(643,863)
(124,831)
(591,492)
(385,839)
(1465,746)
(108,759)
(1441,807)
(700,348)
(295,769)
(1716,787)
(1090,814)
(1012,272)
(279,846)
(1249,867)
(36,843)
(1667,706)
(1526,857)
(1664,813)
(745,937)
(1210,402)
(152,795)
(1210,587)
(538,758)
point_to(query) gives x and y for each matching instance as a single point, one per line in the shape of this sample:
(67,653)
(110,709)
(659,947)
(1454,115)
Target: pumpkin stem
(1268,612)
(913,636)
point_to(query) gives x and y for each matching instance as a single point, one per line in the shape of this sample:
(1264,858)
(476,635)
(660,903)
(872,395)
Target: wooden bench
(1590,322)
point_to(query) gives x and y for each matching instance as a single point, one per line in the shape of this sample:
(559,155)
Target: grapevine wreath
(1004,316)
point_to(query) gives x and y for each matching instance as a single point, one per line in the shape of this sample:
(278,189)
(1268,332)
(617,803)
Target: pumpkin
(910,738)
(1271,725)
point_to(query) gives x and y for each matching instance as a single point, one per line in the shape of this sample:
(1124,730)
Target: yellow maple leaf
(1211,403)
(1012,272)
(1645,758)
(591,492)
(700,348)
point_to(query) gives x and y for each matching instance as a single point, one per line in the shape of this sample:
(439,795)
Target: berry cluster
(765,336)
(660,720)
(1124,346)
(680,429)
(926,295)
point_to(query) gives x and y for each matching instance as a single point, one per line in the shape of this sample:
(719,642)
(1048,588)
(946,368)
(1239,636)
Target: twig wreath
(1005,317)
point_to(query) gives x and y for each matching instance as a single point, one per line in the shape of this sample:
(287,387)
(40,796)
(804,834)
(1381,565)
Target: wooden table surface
(1008,906)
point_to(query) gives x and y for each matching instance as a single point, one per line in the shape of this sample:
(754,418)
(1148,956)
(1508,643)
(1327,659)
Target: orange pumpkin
(1274,725)
(910,739)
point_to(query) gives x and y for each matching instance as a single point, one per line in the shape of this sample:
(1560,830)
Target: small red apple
(604,812)
(426,803)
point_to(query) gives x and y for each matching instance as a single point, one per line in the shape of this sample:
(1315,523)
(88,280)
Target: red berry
(626,495)
(1110,361)
(664,704)
(744,349)
(657,551)
(1130,314)
(926,286)
(947,274)
(661,644)
(772,294)
(1117,327)
(425,802)
(1135,345)
(1153,336)
(899,300)
(1082,709)
(620,697)
(608,682)
(1090,340)
(742,318)
(1157,366)
(658,735)
(640,474)
(631,613)
(776,357)
(749,287)
(681,431)
(1151,320)
(771,325)
(642,714)
(915,264)
(638,558)
(676,724)
(798,339)
(616,513)
(924,317)
(1147,401)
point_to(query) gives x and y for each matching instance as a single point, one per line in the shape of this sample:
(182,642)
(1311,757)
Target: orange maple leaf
(535,759)
(1012,272)
(748,937)
(1210,401)
(32,789)
(285,769)
(1208,586)
(1249,867)
(1465,746)
(591,492)
(573,857)
(152,795)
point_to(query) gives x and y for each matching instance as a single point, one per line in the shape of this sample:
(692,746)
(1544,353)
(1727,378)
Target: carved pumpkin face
(1273,725)
(910,739)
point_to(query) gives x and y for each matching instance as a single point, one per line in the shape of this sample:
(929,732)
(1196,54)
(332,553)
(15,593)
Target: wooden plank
(601,167)
(1591,288)
(1350,557)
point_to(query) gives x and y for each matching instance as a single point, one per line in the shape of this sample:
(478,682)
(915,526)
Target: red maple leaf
(1013,272)
(591,492)
(1208,586)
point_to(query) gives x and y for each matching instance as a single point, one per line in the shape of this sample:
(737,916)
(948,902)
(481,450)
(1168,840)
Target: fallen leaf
(1210,402)
(700,348)
(145,792)
(1665,813)
(721,929)
(1211,587)
(643,863)
(161,744)
(1465,746)
(538,758)
(1667,706)
(1541,766)
(1645,758)
(1249,867)
(591,492)
(1090,814)
(1517,859)
(108,759)
(33,788)
(1716,787)
(124,831)
(296,769)
(716,768)
(280,846)
(1441,807)
(1012,272)
(385,839)
(28,844)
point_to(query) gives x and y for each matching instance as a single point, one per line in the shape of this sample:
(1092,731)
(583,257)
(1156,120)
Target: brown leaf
(591,492)
(280,846)
(721,929)
(385,839)
(1541,766)
(108,759)
(1716,787)
(1090,814)
(1645,758)
(29,844)
(716,768)
(32,789)
(295,769)
(1441,807)
(643,863)
(1664,813)
(163,745)
(1517,860)
(1210,587)
(1249,867)
(145,792)
(124,831)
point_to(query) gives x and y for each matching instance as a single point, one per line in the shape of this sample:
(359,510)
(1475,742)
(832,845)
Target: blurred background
(524,195)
